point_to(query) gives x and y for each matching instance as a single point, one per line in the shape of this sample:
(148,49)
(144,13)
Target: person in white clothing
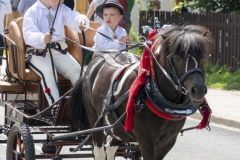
(5,11)
(92,8)
(37,21)
(23,6)
(112,13)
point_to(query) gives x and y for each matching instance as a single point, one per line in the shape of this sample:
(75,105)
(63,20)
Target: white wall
(166,5)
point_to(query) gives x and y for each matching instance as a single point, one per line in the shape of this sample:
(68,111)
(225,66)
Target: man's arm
(9,18)
(90,11)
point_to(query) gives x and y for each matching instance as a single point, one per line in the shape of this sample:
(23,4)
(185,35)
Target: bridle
(180,79)
(178,83)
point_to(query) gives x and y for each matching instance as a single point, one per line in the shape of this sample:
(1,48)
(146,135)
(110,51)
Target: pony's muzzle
(198,92)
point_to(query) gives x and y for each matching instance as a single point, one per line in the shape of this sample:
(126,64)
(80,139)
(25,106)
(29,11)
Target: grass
(221,77)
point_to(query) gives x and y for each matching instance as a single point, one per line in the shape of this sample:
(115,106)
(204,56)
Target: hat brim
(99,11)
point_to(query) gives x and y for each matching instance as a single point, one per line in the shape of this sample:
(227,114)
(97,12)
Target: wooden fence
(225,29)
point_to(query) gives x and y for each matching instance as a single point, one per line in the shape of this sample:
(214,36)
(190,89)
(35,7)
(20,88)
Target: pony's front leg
(98,146)
(110,149)
(99,152)
(147,150)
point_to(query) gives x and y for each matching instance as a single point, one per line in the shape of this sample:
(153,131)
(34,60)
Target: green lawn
(221,77)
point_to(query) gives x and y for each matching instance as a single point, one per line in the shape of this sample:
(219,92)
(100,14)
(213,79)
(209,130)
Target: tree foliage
(147,2)
(223,6)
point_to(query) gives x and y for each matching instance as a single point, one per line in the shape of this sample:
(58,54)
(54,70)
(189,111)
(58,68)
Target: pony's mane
(186,40)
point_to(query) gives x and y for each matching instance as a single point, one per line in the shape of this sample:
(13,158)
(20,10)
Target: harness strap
(53,68)
(118,102)
(206,112)
(150,105)
(56,46)
(110,107)
(113,86)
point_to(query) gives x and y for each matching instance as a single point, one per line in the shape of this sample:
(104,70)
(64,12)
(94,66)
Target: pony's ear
(204,34)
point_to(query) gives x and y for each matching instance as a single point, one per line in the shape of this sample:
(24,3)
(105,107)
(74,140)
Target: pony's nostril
(194,90)
(198,91)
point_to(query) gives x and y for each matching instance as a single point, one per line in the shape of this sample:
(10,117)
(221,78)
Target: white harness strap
(196,64)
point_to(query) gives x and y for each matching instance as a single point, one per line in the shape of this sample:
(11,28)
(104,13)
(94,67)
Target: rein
(104,35)
(84,43)
(93,50)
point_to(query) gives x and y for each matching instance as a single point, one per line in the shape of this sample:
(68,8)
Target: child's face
(52,3)
(111,17)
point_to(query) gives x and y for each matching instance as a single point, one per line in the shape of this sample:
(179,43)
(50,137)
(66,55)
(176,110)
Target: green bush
(133,35)
(221,77)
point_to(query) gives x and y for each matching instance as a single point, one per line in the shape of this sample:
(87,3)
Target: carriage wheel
(20,144)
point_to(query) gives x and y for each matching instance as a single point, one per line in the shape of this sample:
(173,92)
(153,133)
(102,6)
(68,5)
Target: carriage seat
(89,34)
(16,57)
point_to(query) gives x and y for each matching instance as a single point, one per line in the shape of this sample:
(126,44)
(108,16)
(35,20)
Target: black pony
(176,80)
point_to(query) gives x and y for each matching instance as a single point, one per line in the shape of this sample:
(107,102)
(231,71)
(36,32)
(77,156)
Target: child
(37,21)
(112,13)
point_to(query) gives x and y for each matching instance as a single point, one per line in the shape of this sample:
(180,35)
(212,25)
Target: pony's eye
(177,58)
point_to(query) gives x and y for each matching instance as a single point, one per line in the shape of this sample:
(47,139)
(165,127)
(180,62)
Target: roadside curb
(219,120)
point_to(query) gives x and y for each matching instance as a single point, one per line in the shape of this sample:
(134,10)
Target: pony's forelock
(185,40)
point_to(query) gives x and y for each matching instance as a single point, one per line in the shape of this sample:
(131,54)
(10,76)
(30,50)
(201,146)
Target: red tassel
(47,90)
(206,117)
(138,83)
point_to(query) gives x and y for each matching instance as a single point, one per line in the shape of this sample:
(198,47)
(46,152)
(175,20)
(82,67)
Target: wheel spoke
(19,143)
(22,148)
(15,152)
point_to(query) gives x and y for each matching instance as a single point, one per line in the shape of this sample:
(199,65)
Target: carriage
(27,112)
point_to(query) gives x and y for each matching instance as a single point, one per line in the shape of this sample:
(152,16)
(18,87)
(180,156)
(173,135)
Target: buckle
(57,46)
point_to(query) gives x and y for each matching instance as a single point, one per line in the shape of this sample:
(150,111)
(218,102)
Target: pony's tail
(76,107)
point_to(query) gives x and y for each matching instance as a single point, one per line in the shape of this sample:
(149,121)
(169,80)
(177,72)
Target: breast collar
(156,102)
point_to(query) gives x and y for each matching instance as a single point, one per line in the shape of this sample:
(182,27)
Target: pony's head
(181,51)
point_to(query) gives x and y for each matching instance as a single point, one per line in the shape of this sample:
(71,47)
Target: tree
(223,6)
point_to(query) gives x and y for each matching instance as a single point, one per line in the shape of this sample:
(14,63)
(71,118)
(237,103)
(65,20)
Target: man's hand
(82,23)
(47,38)
(125,39)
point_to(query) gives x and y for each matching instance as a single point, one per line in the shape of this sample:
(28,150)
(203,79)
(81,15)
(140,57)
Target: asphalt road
(219,144)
